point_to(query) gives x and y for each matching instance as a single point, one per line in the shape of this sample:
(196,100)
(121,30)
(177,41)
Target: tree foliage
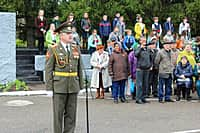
(97,8)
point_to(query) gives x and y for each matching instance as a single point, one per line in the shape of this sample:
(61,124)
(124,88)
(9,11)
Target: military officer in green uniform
(64,76)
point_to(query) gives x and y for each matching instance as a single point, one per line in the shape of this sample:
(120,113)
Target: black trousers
(41,45)
(104,41)
(153,83)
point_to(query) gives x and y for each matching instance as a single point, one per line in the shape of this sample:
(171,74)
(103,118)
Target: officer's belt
(66,74)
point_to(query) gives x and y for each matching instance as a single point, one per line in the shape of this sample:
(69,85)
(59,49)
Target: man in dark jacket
(153,74)
(104,30)
(144,63)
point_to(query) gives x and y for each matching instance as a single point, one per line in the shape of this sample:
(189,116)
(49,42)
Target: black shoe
(145,101)
(123,100)
(155,96)
(148,96)
(106,90)
(189,98)
(116,101)
(133,97)
(160,101)
(178,98)
(139,102)
(169,100)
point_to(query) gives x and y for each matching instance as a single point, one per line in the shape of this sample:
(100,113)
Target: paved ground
(105,116)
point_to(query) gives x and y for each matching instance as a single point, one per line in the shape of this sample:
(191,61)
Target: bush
(21,43)
(16,85)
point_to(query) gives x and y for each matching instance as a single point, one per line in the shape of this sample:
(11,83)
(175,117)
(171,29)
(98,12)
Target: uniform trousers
(64,108)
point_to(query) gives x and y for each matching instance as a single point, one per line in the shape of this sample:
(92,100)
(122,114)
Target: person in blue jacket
(168,25)
(128,42)
(104,30)
(183,73)
(115,20)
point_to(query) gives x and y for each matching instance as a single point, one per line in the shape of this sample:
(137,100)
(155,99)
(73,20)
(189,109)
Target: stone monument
(7,47)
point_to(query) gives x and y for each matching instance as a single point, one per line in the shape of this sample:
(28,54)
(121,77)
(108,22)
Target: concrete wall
(7,47)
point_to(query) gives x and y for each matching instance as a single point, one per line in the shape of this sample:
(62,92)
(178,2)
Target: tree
(177,9)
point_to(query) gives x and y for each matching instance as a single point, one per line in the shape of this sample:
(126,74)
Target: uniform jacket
(163,59)
(58,60)
(118,66)
(103,61)
(40,24)
(104,28)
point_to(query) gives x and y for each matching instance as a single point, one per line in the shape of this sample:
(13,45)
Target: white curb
(26,93)
(39,92)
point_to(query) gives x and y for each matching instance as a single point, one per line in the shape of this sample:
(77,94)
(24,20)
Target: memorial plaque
(40,62)
(7,47)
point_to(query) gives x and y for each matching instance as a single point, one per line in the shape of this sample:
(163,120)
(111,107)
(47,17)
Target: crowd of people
(162,63)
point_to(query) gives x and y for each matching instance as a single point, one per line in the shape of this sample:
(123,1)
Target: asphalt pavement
(104,116)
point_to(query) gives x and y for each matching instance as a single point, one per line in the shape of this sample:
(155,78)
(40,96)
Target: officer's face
(66,37)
